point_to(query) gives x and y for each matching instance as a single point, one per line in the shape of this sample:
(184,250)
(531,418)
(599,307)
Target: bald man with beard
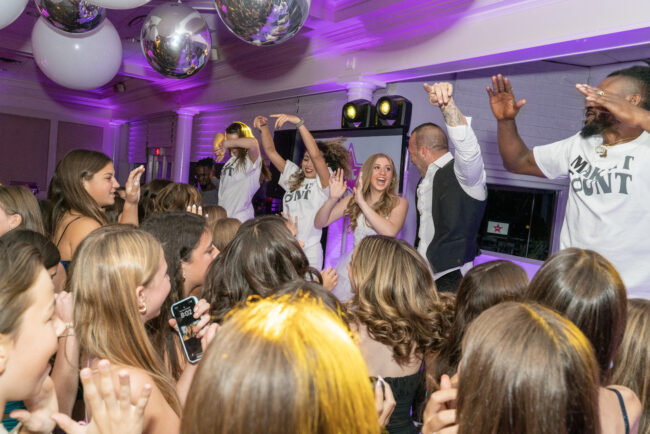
(607,165)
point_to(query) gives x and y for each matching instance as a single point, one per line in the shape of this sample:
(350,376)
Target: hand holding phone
(183,313)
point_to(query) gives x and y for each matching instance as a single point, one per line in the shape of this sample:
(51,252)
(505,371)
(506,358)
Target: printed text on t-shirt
(589,179)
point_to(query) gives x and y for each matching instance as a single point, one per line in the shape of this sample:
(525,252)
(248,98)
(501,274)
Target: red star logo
(497,228)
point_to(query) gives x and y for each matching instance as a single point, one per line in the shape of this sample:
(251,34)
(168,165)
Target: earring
(142,309)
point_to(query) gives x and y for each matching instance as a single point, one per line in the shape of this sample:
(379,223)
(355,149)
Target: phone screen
(183,312)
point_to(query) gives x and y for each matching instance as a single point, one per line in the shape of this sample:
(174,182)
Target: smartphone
(183,313)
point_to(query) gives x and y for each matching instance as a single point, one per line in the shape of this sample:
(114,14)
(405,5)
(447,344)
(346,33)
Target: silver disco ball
(263,22)
(73,16)
(175,40)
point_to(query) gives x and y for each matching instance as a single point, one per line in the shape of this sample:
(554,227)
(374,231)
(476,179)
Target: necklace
(601,149)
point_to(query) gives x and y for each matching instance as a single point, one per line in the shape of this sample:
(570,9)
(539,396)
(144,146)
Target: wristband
(300,124)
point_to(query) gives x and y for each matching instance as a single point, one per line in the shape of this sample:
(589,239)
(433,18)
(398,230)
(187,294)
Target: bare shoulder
(610,409)
(159,415)
(80,229)
(71,231)
(631,400)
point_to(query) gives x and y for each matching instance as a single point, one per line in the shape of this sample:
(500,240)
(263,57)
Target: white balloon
(10,10)
(77,60)
(118,4)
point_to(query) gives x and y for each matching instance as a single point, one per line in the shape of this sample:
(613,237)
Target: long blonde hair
(106,269)
(283,365)
(388,199)
(632,364)
(395,297)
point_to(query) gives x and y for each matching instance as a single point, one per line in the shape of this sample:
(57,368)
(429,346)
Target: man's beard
(600,122)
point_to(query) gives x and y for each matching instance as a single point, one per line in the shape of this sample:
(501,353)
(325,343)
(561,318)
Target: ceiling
(338,34)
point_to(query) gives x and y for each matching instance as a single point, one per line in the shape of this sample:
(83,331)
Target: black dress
(404,390)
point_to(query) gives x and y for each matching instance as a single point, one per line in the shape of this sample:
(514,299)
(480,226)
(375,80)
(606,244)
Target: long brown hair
(395,297)
(179,233)
(388,199)
(481,288)
(19,200)
(106,269)
(281,365)
(263,256)
(526,369)
(632,364)
(67,189)
(586,288)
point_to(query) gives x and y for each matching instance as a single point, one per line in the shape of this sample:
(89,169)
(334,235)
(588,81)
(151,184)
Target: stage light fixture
(393,111)
(359,113)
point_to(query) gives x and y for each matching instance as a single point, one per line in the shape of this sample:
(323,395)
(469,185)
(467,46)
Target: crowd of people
(400,338)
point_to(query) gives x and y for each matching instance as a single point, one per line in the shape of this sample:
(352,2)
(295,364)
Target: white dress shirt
(470,172)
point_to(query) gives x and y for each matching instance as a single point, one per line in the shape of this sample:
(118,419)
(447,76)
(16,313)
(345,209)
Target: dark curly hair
(336,157)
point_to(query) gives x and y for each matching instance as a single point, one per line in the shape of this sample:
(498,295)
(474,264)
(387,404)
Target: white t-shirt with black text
(237,187)
(608,208)
(304,202)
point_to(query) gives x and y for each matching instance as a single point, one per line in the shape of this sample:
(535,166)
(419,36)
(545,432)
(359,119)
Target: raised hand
(440,94)
(132,187)
(217,146)
(111,414)
(281,119)
(620,107)
(439,416)
(502,99)
(337,185)
(260,121)
(330,278)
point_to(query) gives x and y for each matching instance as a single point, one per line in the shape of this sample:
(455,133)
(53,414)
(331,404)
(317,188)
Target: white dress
(343,290)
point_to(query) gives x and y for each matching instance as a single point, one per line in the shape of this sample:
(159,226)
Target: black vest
(456,218)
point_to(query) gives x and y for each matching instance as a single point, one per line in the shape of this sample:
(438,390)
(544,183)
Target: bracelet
(67,335)
(300,124)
